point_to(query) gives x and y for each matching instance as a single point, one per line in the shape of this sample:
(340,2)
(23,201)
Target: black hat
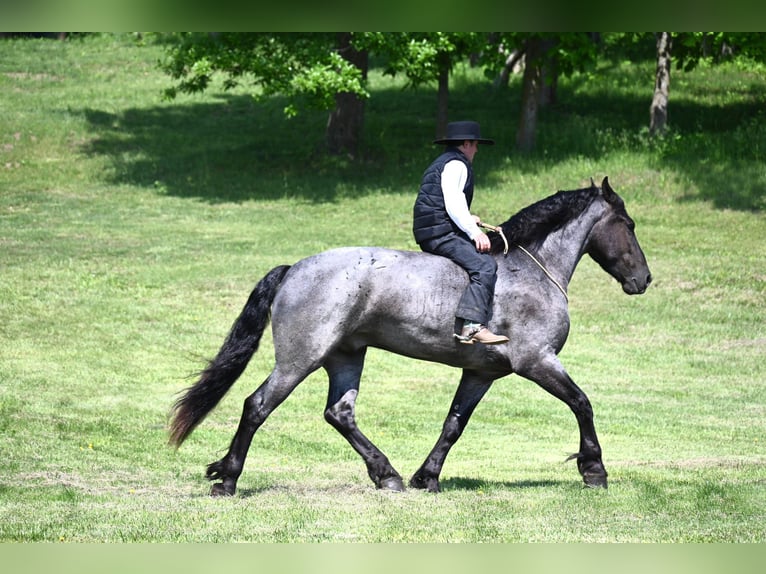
(461,131)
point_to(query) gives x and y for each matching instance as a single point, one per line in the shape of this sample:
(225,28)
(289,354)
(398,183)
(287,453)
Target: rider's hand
(482,243)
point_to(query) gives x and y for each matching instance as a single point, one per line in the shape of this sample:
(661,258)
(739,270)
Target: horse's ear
(606,189)
(592,183)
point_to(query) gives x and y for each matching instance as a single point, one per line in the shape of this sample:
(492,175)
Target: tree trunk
(344,126)
(442,97)
(658,111)
(530,95)
(549,77)
(514,59)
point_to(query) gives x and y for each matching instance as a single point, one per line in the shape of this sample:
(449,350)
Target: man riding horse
(443,225)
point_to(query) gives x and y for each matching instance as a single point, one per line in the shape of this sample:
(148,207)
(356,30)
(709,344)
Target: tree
(531,90)
(546,56)
(316,70)
(684,51)
(425,57)
(658,111)
(319,70)
(690,48)
(344,127)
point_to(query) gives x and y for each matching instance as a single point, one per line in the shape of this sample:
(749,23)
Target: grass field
(132,230)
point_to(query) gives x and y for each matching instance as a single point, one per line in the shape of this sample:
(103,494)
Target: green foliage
(303,67)
(690,49)
(132,229)
(636,47)
(307,67)
(418,55)
(567,53)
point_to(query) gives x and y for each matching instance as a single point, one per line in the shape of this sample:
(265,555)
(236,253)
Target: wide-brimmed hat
(461,131)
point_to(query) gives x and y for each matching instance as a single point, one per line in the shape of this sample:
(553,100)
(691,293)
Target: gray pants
(476,302)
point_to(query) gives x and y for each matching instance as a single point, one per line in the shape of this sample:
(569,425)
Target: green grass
(132,229)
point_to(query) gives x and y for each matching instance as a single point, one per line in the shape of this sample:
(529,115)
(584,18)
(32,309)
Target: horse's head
(613,245)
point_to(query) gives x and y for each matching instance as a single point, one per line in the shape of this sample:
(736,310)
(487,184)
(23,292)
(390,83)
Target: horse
(327,309)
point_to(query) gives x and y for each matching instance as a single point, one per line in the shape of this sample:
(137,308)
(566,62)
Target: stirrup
(465,339)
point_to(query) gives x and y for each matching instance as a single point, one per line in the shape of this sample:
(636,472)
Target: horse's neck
(562,250)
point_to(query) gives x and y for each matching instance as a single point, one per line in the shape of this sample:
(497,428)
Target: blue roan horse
(326,310)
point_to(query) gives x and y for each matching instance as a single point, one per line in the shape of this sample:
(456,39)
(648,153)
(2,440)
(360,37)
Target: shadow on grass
(228,150)
(447,485)
(232,148)
(463,483)
(720,150)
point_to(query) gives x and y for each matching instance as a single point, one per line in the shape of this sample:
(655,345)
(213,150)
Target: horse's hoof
(393,483)
(595,480)
(430,484)
(219,490)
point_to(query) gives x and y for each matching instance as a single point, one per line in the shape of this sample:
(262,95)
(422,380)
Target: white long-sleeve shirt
(454,176)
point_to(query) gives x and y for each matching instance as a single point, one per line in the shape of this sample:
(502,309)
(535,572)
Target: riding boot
(477,333)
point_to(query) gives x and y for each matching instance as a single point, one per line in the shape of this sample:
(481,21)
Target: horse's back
(366,296)
(353,275)
(375,266)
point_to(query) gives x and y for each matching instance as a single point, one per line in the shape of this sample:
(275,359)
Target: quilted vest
(430,218)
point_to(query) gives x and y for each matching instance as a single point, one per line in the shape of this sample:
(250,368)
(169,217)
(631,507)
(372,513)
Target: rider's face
(469,149)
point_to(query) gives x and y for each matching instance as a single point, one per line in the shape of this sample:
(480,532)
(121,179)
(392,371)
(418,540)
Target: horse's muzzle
(635,286)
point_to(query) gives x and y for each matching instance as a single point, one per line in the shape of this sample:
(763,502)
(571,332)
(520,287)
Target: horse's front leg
(473,386)
(551,376)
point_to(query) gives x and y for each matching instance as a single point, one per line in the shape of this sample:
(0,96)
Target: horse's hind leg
(472,388)
(257,408)
(345,371)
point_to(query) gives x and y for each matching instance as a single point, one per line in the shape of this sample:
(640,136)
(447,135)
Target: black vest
(430,218)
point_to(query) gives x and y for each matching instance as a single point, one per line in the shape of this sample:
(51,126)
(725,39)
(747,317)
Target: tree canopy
(305,67)
(328,71)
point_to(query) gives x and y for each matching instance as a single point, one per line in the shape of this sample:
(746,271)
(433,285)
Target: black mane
(536,221)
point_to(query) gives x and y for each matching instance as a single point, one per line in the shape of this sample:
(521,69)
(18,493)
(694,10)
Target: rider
(443,225)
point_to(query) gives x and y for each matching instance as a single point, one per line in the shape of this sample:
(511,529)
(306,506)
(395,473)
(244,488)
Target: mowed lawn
(132,230)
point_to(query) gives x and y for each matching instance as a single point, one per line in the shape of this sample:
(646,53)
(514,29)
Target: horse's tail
(230,362)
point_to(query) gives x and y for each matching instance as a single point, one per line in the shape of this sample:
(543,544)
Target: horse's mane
(536,221)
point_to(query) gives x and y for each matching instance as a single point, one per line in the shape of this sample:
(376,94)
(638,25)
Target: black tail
(230,362)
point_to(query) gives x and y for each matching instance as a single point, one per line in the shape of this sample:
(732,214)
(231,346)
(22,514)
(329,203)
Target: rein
(532,257)
(496,230)
(548,273)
